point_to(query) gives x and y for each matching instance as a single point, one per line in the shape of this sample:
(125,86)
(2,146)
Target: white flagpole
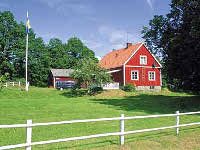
(27,58)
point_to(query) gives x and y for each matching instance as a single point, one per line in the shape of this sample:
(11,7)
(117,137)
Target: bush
(2,81)
(22,80)
(129,88)
(96,90)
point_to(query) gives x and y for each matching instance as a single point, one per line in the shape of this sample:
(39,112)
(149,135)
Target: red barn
(135,65)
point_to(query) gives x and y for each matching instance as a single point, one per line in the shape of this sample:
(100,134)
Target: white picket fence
(110,86)
(12,84)
(121,134)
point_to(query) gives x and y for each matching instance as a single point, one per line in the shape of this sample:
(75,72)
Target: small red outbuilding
(60,78)
(135,65)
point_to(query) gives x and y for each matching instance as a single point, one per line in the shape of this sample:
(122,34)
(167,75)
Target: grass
(48,105)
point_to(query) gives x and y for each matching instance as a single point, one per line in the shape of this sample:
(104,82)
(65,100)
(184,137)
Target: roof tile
(118,57)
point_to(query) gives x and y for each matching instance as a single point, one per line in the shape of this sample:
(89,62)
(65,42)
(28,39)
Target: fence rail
(121,134)
(12,84)
(110,86)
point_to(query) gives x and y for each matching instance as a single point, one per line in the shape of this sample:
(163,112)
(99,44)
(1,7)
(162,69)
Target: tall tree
(58,54)
(12,51)
(177,36)
(7,41)
(77,50)
(38,64)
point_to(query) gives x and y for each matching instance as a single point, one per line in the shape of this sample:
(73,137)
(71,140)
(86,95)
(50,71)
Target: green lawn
(48,105)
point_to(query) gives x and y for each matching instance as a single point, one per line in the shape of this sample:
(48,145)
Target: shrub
(3,80)
(129,88)
(22,80)
(96,90)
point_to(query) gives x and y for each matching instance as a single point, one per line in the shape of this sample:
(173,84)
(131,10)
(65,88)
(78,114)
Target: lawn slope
(48,105)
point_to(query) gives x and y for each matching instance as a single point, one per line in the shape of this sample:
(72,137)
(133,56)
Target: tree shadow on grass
(81,92)
(75,93)
(153,103)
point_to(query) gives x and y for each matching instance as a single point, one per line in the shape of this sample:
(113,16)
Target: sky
(102,25)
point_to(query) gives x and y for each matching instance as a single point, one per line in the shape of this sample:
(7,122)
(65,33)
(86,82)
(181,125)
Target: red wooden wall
(64,79)
(118,76)
(146,81)
(135,61)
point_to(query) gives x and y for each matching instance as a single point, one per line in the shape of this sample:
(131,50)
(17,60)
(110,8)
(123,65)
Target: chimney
(128,45)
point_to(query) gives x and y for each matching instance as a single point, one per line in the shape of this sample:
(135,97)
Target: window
(134,75)
(152,75)
(143,60)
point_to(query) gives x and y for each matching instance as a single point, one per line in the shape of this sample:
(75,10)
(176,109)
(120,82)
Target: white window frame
(137,74)
(154,75)
(142,61)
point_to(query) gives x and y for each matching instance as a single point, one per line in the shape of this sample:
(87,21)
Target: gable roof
(61,72)
(117,58)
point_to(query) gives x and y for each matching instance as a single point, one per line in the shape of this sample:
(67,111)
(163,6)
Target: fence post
(19,83)
(122,130)
(13,83)
(6,84)
(28,134)
(177,123)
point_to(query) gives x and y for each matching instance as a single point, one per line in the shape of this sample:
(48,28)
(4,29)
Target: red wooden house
(135,65)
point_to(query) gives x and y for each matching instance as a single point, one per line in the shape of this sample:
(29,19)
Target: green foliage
(129,88)
(76,50)
(96,90)
(7,40)
(21,80)
(87,71)
(38,63)
(41,57)
(164,81)
(2,81)
(176,39)
(57,52)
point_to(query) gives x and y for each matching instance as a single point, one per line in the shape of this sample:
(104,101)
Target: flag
(27,24)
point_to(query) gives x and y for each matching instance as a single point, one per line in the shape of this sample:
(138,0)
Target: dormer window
(143,60)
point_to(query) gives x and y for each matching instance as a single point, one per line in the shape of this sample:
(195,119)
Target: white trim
(133,53)
(142,66)
(139,66)
(154,73)
(145,62)
(147,50)
(124,74)
(153,56)
(127,61)
(137,75)
(112,71)
(54,82)
(160,78)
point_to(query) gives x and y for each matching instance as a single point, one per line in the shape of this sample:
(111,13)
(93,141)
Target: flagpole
(27,59)
(26,62)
